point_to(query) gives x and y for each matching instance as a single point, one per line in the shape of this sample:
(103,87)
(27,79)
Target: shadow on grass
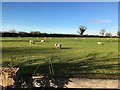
(27,81)
(88,67)
(15,40)
(30,50)
(65,48)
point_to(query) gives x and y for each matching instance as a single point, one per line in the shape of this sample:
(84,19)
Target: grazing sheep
(18,36)
(115,38)
(50,37)
(58,45)
(32,42)
(100,43)
(75,38)
(42,41)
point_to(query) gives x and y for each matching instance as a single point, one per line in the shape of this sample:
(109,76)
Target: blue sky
(60,17)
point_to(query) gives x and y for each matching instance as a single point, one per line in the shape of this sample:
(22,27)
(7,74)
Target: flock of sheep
(57,45)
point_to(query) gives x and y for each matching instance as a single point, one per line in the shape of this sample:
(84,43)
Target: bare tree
(102,32)
(12,30)
(82,30)
(108,34)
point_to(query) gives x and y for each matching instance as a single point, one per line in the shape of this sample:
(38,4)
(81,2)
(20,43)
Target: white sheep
(18,36)
(58,45)
(100,43)
(32,42)
(42,41)
(115,38)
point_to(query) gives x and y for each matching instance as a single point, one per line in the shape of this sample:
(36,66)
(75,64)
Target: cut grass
(78,57)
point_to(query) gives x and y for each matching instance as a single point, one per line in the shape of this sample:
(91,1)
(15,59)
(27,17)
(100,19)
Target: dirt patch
(92,83)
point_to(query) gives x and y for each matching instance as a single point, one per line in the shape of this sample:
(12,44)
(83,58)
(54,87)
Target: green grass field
(81,57)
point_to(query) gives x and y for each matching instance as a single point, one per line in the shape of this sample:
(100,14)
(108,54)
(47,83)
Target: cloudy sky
(60,17)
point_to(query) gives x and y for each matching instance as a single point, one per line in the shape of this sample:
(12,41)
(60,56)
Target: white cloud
(100,21)
(43,29)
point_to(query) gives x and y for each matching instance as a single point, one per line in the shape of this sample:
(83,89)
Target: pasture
(79,57)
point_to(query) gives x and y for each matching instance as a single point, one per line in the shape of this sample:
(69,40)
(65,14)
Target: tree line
(82,29)
(34,34)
